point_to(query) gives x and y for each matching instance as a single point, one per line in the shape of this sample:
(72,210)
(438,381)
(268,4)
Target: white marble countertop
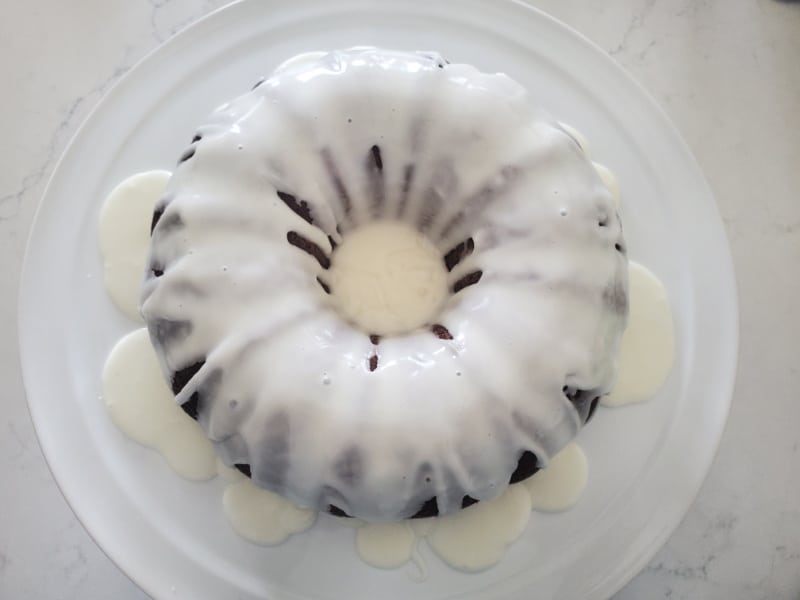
(727,73)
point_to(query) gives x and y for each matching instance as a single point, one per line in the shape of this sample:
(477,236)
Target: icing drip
(261,516)
(648,344)
(579,138)
(387,278)
(610,181)
(386,545)
(143,407)
(476,538)
(124,236)
(608,178)
(559,486)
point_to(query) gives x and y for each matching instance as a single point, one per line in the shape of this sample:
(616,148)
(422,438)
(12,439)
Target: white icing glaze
(349,138)
(386,545)
(143,407)
(124,235)
(299,61)
(606,175)
(387,278)
(476,538)
(261,516)
(610,181)
(559,486)
(579,138)
(648,345)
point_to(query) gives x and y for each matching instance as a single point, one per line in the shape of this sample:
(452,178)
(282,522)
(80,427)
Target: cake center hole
(387,278)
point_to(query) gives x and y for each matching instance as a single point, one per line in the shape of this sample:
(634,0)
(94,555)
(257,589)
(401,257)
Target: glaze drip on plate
(442,412)
(124,225)
(650,332)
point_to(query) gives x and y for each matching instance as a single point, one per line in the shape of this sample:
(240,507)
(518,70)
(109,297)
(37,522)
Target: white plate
(169,535)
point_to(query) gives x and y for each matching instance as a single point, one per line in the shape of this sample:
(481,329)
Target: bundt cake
(525,298)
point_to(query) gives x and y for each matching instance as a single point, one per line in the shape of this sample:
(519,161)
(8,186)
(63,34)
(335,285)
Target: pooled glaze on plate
(648,344)
(143,407)
(123,235)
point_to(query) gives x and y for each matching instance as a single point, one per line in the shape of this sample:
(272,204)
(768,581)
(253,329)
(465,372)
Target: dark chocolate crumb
(297,240)
(441,332)
(458,253)
(243,469)
(337,512)
(376,156)
(584,401)
(324,286)
(429,509)
(373,362)
(187,155)
(467,501)
(191,406)
(156,216)
(467,280)
(527,465)
(181,377)
(299,207)
(375,339)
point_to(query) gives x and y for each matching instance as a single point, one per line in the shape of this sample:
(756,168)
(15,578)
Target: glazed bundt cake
(519,260)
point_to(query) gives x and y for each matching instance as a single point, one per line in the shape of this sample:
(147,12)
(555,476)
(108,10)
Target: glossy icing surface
(253,345)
